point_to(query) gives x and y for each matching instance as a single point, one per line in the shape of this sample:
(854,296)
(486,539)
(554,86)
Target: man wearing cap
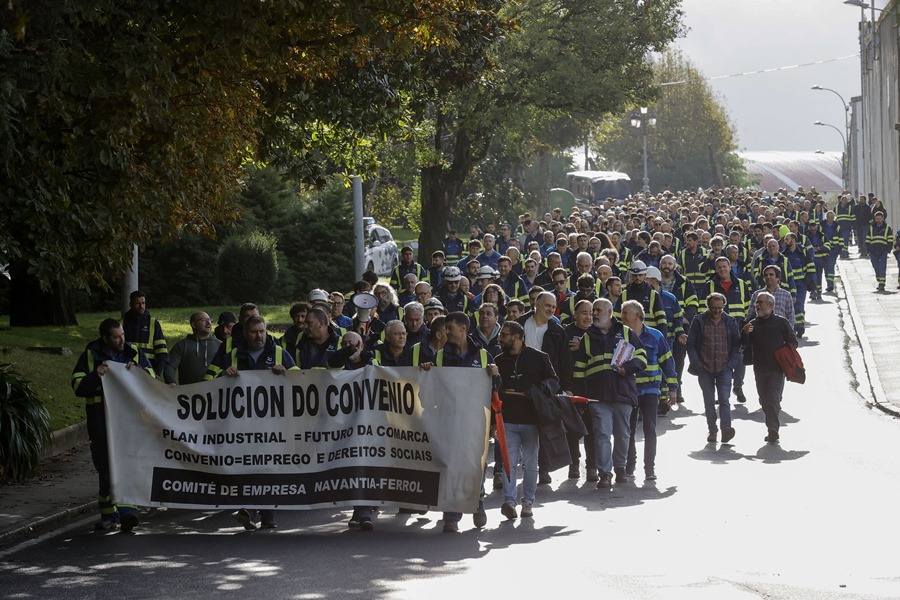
(451,297)
(674,319)
(433,309)
(640,290)
(224,324)
(486,276)
(407,265)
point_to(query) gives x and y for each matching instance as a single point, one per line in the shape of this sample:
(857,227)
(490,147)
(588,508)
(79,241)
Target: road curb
(44,524)
(66,438)
(880,398)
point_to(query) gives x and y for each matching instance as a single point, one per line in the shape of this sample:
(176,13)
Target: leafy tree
(575,60)
(247,267)
(320,241)
(181,271)
(123,122)
(691,121)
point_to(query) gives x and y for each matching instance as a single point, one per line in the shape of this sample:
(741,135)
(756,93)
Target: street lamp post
(643,120)
(845,156)
(845,167)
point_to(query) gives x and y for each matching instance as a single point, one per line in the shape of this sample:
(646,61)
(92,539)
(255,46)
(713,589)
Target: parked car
(381,253)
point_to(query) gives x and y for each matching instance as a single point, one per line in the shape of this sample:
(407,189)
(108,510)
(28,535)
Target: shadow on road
(189,553)
(774,454)
(740,412)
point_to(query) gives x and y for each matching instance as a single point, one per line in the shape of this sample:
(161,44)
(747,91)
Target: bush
(24,426)
(247,267)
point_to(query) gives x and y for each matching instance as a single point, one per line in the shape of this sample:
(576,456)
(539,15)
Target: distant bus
(594,187)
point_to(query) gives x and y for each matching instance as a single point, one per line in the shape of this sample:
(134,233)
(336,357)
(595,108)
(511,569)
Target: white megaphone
(364,303)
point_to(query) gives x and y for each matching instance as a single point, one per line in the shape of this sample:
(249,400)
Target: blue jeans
(740,371)
(711,384)
(522,441)
(647,405)
(611,419)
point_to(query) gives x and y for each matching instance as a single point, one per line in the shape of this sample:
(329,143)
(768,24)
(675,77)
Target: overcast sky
(775,111)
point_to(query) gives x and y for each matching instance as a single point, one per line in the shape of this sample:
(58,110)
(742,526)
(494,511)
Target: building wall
(878,151)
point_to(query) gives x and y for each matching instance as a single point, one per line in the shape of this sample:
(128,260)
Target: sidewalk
(67,485)
(66,488)
(876,318)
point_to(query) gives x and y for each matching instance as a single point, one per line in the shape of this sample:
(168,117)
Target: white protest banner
(307,439)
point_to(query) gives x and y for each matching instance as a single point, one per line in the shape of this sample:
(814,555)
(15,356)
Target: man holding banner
(462,351)
(86,381)
(520,367)
(256,351)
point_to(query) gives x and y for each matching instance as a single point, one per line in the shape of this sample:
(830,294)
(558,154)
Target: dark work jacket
(144,332)
(553,452)
(384,357)
(573,331)
(768,336)
(87,383)
(311,356)
(520,373)
(555,345)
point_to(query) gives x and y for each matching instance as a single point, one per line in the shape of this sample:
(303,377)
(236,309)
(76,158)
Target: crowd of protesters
(607,305)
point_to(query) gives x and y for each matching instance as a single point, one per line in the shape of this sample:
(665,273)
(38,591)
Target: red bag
(791,363)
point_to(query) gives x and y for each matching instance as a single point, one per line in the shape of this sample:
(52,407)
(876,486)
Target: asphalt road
(812,518)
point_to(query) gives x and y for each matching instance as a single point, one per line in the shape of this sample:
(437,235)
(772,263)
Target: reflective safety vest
(484,359)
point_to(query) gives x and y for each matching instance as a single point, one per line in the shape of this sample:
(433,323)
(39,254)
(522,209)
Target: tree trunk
(441,186)
(30,306)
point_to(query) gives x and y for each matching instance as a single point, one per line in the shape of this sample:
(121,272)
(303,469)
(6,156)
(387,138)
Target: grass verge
(51,374)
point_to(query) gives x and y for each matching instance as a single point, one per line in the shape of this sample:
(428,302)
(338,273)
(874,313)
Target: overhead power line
(785,68)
